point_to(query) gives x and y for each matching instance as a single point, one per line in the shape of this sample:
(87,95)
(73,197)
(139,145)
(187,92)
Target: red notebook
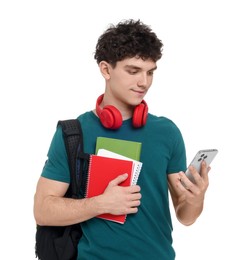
(101,171)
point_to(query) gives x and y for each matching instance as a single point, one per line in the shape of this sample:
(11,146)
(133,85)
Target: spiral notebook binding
(136,173)
(88,176)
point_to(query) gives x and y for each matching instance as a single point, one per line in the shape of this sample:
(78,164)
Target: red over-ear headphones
(111,117)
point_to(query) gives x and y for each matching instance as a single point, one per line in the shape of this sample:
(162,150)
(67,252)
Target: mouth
(139,92)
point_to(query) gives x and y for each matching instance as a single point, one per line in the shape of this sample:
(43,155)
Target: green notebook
(126,148)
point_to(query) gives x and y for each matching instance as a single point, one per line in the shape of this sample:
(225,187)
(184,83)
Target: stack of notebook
(112,158)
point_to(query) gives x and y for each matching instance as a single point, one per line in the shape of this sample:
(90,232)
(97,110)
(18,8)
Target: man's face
(130,79)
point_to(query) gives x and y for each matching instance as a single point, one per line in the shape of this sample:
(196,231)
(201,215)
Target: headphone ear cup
(111,117)
(140,115)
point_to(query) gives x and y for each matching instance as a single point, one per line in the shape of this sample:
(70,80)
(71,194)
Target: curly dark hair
(128,39)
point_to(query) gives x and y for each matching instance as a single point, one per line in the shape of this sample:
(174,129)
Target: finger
(198,176)
(135,196)
(134,189)
(132,210)
(185,183)
(204,170)
(133,207)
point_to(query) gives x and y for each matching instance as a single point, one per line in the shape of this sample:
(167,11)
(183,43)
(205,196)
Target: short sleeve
(177,161)
(56,166)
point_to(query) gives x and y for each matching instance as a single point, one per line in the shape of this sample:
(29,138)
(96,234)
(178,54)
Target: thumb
(119,179)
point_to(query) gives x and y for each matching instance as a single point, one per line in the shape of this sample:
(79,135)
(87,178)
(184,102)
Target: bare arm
(188,200)
(51,208)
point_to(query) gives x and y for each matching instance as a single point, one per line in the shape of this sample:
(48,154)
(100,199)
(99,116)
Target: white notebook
(137,164)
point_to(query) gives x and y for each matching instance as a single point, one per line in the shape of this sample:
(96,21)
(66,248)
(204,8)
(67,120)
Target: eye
(150,73)
(132,72)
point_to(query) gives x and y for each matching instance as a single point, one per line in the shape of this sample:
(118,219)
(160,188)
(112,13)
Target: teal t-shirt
(148,233)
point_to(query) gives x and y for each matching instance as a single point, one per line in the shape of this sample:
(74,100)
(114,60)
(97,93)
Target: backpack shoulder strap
(73,138)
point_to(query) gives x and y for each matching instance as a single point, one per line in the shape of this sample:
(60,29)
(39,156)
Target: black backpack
(56,242)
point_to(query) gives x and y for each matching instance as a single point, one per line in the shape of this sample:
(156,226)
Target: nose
(143,80)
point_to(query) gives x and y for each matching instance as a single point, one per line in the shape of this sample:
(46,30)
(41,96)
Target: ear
(105,69)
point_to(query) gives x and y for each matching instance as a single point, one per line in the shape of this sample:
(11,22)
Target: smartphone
(206,155)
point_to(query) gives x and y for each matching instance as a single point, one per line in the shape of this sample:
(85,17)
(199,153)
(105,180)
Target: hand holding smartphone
(207,155)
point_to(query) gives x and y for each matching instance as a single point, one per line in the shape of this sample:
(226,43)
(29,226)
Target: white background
(47,73)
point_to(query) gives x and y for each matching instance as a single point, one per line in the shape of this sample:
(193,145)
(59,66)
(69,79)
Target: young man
(126,54)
